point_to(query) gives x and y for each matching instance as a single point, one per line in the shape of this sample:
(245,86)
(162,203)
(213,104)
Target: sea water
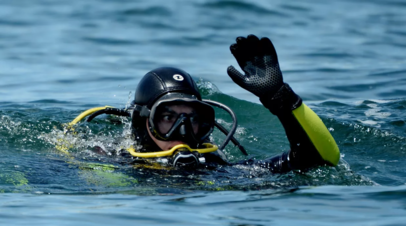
(346,59)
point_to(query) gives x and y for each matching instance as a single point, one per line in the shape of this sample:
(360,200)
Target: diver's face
(167,117)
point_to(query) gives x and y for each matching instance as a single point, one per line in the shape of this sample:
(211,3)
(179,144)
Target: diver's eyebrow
(168,110)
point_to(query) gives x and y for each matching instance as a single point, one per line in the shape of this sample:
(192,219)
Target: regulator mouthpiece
(185,159)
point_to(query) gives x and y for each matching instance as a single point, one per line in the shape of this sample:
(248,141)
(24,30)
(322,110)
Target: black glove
(263,77)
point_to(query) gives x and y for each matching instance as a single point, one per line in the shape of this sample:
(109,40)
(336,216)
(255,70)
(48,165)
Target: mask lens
(164,121)
(172,118)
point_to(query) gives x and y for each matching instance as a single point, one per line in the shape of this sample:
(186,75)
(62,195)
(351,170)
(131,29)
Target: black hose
(109,111)
(235,141)
(233,128)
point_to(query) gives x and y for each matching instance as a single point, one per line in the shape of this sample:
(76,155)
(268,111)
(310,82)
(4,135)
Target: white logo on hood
(178,77)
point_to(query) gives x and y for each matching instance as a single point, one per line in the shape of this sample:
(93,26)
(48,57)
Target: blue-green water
(346,59)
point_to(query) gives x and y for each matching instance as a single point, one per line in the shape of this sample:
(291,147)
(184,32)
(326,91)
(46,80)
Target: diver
(171,123)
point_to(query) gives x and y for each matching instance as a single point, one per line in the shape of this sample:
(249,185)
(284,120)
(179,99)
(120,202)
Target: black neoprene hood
(164,80)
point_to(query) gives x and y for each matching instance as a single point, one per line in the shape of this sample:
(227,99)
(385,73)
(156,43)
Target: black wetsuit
(310,145)
(303,153)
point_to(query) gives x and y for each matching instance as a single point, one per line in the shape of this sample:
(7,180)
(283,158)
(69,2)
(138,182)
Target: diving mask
(179,116)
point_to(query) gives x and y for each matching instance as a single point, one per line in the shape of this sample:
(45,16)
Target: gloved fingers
(268,48)
(252,38)
(253,47)
(238,50)
(240,39)
(236,76)
(248,48)
(245,49)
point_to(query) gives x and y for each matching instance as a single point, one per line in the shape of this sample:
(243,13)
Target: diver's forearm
(310,141)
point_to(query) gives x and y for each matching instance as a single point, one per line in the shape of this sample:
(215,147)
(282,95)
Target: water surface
(345,59)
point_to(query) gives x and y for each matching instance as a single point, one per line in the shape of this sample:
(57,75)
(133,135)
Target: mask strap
(142,110)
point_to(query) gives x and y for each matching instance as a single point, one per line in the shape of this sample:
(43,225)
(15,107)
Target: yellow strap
(207,148)
(86,113)
(64,145)
(318,134)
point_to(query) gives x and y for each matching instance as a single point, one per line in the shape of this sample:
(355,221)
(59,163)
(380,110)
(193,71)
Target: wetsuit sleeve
(310,141)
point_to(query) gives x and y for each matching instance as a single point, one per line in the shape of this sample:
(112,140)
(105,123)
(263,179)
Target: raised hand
(258,59)
(263,77)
